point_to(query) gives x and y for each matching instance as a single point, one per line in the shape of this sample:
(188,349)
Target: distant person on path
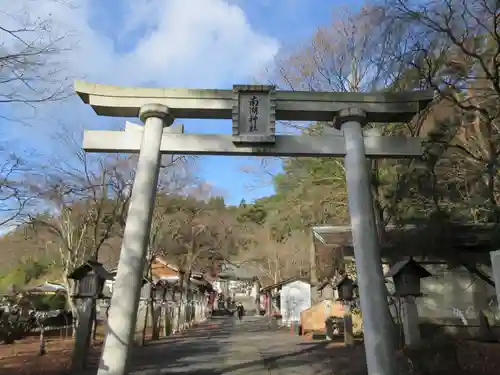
(240,311)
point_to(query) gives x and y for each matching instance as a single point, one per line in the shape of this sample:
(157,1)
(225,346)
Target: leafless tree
(31,73)
(197,235)
(345,56)
(275,260)
(16,198)
(30,70)
(87,208)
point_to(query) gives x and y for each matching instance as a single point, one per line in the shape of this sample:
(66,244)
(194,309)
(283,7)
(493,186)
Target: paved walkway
(230,347)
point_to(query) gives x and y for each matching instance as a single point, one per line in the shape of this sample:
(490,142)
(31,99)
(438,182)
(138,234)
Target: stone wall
(452,296)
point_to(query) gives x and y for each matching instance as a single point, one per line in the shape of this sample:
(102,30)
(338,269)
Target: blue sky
(162,43)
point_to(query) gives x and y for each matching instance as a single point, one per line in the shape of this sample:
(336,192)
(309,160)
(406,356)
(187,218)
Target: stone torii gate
(254,111)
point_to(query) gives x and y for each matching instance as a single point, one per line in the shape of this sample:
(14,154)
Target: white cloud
(205,38)
(170,43)
(191,43)
(184,42)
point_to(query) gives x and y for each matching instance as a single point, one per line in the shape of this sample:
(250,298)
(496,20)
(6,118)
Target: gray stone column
(348,330)
(410,320)
(126,290)
(378,338)
(83,334)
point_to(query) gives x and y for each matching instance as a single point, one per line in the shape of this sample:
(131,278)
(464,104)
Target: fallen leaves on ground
(454,356)
(457,357)
(22,357)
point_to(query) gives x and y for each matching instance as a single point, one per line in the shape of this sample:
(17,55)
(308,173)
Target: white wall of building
(295,298)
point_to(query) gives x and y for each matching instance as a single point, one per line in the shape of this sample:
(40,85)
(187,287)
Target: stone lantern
(176,294)
(346,293)
(345,289)
(158,292)
(89,283)
(90,278)
(406,275)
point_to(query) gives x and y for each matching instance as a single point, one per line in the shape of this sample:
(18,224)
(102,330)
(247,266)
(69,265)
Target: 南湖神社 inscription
(254,114)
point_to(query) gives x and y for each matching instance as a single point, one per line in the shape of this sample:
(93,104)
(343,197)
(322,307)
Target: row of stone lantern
(91,276)
(89,280)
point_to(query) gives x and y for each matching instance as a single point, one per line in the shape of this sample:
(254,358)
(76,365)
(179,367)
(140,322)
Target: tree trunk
(155,315)
(145,327)
(476,271)
(150,300)
(180,309)
(179,313)
(75,317)
(257,296)
(41,347)
(165,318)
(186,293)
(94,323)
(70,290)
(313,275)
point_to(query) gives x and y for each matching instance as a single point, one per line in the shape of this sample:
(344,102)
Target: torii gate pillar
(122,316)
(377,326)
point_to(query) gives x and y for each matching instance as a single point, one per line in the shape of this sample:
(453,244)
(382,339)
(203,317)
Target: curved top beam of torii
(218,104)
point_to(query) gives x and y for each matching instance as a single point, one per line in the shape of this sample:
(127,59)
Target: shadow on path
(226,346)
(179,353)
